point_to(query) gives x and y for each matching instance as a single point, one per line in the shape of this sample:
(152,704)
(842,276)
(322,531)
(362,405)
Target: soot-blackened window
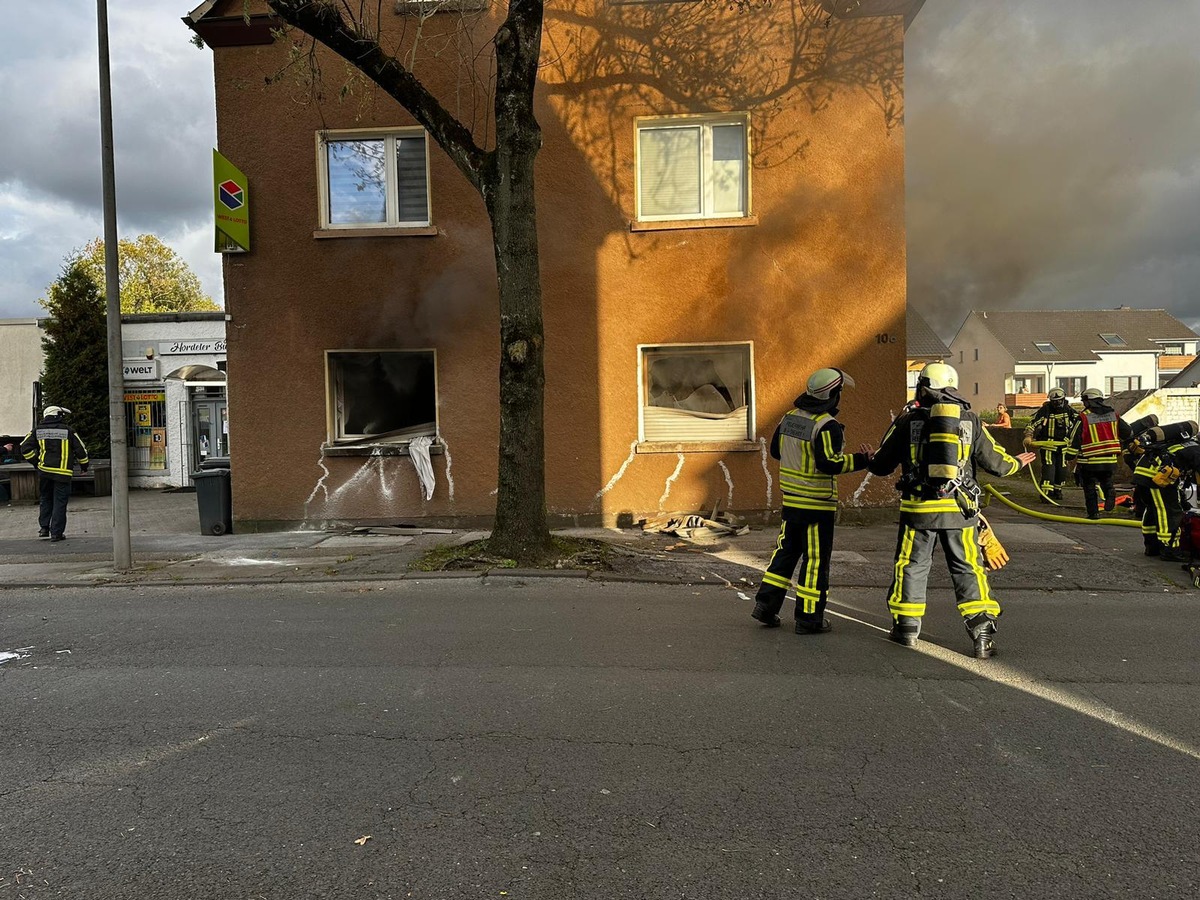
(382,395)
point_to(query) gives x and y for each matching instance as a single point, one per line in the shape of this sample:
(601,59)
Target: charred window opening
(382,396)
(696,393)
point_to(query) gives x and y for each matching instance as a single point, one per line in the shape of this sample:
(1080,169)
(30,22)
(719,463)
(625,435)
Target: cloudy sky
(1053,150)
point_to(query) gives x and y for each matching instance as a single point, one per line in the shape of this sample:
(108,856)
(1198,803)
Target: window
(696,393)
(976,354)
(1172,349)
(960,355)
(1045,346)
(1029,384)
(1072,387)
(977,388)
(691,168)
(381,396)
(374,179)
(1113,340)
(146,430)
(1122,383)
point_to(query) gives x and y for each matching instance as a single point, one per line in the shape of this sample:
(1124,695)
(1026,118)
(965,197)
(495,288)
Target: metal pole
(122,558)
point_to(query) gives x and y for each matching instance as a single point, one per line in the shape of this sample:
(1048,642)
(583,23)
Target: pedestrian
(1003,419)
(938,444)
(54,449)
(1050,431)
(1097,438)
(9,454)
(808,443)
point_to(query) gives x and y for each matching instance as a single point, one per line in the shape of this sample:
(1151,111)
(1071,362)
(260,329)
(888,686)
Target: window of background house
(1113,340)
(1172,349)
(696,393)
(1072,387)
(1122,383)
(977,387)
(1029,384)
(374,180)
(960,355)
(1045,346)
(692,169)
(976,354)
(381,396)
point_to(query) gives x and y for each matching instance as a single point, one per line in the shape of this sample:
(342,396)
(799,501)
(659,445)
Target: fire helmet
(1056,394)
(56,411)
(938,376)
(824,383)
(1092,394)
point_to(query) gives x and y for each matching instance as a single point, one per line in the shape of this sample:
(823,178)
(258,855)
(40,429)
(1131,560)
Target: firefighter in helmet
(938,442)
(808,442)
(54,449)
(1097,439)
(1049,431)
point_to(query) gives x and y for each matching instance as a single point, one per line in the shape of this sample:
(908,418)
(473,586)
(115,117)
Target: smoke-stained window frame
(392,223)
(336,435)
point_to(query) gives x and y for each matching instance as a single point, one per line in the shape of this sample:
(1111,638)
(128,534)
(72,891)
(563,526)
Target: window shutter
(411,189)
(669,171)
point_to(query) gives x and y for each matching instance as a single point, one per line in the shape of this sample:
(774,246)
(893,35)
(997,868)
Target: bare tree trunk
(520,530)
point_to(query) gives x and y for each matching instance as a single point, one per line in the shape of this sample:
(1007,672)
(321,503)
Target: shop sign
(189,348)
(140,370)
(231,206)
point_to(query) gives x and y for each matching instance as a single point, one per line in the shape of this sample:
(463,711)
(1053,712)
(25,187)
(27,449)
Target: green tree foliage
(154,279)
(76,347)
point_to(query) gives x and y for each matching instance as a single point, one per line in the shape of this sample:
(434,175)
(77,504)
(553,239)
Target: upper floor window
(376,179)
(1113,340)
(1173,349)
(692,168)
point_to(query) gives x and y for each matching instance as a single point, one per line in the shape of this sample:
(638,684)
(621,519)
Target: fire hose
(1073,520)
(1043,445)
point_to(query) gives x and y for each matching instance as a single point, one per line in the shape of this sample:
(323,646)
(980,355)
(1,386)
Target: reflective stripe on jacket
(811,458)
(54,449)
(1097,438)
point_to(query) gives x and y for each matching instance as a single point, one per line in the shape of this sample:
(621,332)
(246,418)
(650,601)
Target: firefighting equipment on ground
(1049,517)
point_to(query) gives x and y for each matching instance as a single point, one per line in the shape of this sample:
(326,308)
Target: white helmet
(938,376)
(824,383)
(55,411)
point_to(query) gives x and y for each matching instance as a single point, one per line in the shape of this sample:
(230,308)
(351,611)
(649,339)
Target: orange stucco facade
(813,276)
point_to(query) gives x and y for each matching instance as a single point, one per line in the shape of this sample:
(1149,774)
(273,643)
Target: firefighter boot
(764,613)
(982,629)
(817,624)
(905,630)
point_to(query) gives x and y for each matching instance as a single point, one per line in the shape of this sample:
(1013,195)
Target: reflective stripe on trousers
(914,556)
(808,541)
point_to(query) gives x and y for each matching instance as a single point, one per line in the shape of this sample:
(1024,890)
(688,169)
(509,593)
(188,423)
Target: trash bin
(214,500)
(215,462)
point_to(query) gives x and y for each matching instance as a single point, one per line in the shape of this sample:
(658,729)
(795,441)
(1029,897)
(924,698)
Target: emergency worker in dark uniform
(1049,431)
(1096,442)
(938,442)
(1157,475)
(808,444)
(54,449)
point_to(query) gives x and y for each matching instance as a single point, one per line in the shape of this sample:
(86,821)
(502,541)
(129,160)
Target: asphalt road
(567,739)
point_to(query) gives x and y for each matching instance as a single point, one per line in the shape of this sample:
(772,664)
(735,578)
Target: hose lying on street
(1033,478)
(1073,520)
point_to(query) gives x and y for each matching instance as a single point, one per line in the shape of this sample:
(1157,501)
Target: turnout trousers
(1054,468)
(914,556)
(805,539)
(52,508)
(1161,517)
(1096,479)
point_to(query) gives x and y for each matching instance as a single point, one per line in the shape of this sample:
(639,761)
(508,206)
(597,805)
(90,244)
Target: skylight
(1113,340)
(1045,346)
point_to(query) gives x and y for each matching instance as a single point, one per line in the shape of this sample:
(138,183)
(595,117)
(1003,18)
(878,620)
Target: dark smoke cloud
(1053,157)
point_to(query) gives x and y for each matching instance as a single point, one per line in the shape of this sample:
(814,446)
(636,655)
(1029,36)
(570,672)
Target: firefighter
(54,448)
(1050,428)
(808,444)
(939,443)
(1158,475)
(1095,443)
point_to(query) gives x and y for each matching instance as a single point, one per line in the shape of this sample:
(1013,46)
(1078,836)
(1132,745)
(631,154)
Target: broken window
(689,168)
(374,180)
(381,396)
(696,393)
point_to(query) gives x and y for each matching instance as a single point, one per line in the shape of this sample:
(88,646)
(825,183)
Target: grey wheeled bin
(214,500)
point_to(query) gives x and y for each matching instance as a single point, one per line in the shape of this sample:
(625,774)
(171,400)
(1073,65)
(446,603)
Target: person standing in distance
(1051,428)
(54,448)
(939,443)
(1096,441)
(808,444)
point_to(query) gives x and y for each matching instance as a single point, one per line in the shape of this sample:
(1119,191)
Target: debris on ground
(696,526)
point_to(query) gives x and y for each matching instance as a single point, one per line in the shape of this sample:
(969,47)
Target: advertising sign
(231,206)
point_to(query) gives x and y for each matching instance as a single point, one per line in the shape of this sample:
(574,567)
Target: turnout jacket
(921,504)
(1049,424)
(1098,437)
(54,449)
(808,443)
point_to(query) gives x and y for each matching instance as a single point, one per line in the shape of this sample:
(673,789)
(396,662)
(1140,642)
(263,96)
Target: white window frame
(1038,382)
(750,436)
(334,436)
(1110,387)
(391,203)
(706,123)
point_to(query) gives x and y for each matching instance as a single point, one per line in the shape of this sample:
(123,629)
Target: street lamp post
(119,456)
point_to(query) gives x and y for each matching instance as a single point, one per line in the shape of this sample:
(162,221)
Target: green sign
(231,205)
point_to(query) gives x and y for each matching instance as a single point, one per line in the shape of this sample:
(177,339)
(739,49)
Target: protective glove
(1028,442)
(994,555)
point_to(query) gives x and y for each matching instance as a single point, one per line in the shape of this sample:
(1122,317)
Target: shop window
(1072,387)
(381,396)
(696,393)
(1122,383)
(146,431)
(374,179)
(692,168)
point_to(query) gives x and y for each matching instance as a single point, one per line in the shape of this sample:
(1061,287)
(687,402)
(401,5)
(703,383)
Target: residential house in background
(922,347)
(1018,355)
(721,212)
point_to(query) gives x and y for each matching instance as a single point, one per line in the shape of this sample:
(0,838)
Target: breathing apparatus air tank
(942,448)
(1176,433)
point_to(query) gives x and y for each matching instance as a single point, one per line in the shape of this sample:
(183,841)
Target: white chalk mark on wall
(621,471)
(320,485)
(766,471)
(728,481)
(449,463)
(354,481)
(858,492)
(662,501)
